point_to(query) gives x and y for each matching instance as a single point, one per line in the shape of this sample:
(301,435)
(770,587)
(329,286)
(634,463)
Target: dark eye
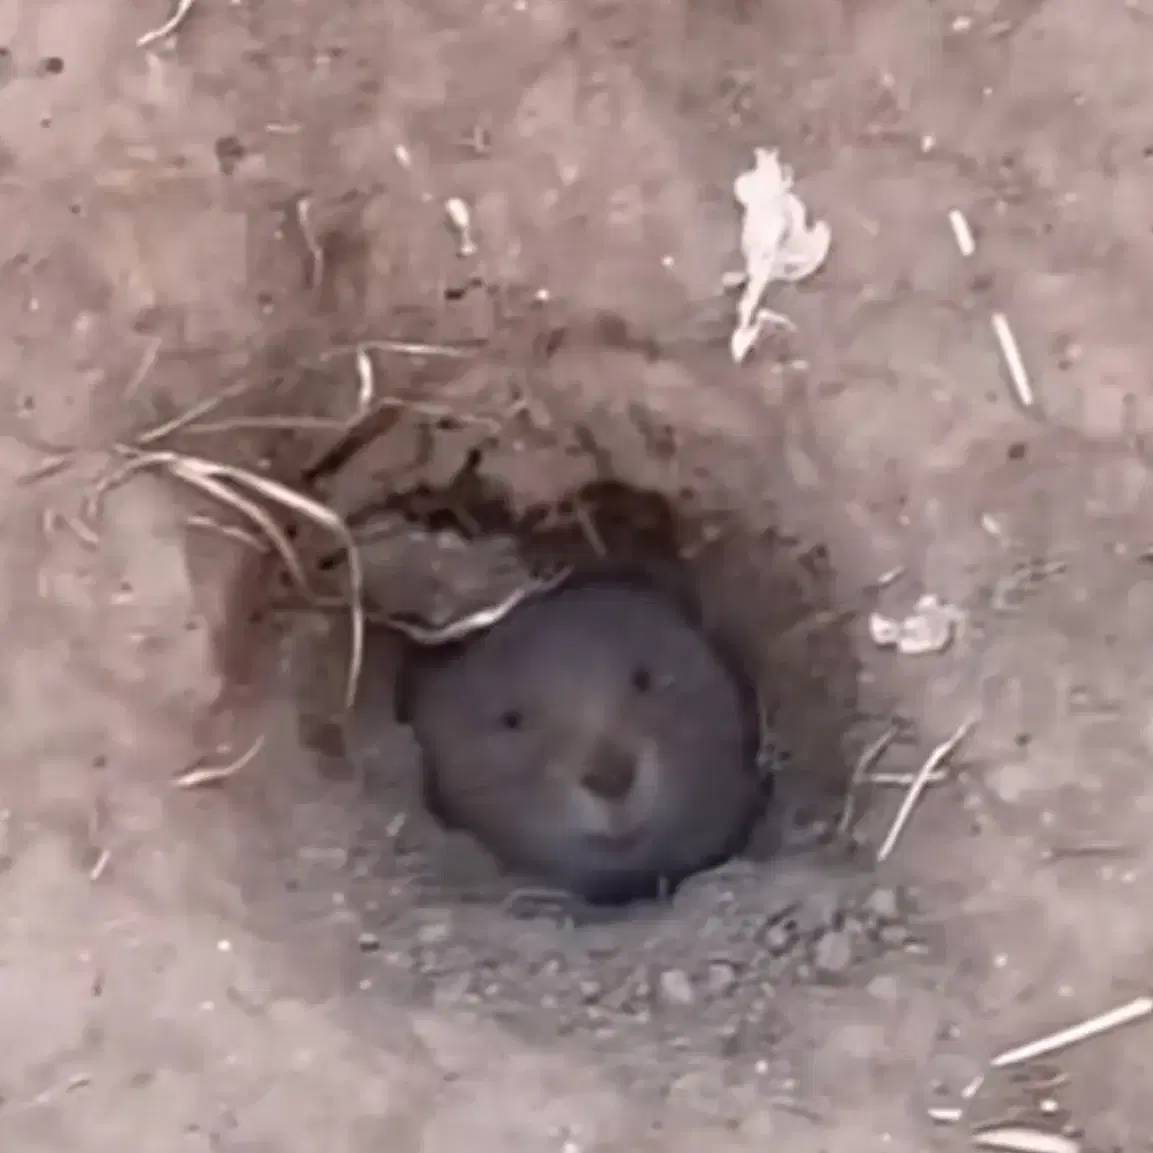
(511,719)
(642,679)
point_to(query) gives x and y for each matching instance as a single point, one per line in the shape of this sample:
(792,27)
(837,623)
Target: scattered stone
(676,988)
(434,933)
(722,977)
(885,988)
(884,904)
(895,935)
(452,990)
(781,936)
(833,953)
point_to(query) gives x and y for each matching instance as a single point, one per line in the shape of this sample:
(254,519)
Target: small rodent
(594,739)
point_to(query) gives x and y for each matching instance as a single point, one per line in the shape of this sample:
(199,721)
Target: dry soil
(291,960)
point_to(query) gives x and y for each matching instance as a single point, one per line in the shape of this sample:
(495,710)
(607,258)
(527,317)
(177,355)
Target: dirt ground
(294,959)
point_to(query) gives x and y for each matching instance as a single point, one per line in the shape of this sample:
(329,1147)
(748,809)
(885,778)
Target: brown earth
(274,964)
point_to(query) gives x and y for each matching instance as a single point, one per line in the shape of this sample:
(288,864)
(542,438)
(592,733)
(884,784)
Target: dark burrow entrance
(491,518)
(588,710)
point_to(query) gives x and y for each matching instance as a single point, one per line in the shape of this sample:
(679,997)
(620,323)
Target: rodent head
(593,734)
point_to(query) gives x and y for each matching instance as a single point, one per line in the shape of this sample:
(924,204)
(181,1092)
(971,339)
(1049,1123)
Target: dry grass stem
(417,348)
(46,469)
(256,513)
(99,865)
(147,363)
(231,531)
(865,762)
(150,436)
(1136,1009)
(903,780)
(168,27)
(308,233)
(366,378)
(474,622)
(1014,362)
(1024,1139)
(221,481)
(281,423)
(962,233)
(935,760)
(204,473)
(201,774)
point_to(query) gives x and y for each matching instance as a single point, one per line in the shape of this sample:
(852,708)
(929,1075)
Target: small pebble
(894,935)
(676,988)
(779,938)
(833,953)
(885,988)
(884,904)
(435,933)
(722,977)
(452,990)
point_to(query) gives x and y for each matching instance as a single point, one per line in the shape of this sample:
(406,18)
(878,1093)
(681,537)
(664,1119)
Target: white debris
(777,242)
(460,218)
(962,232)
(1014,362)
(929,628)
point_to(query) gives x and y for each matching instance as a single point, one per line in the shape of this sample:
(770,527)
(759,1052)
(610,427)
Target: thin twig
(44,470)
(936,759)
(168,27)
(902,780)
(225,494)
(412,348)
(201,774)
(311,509)
(182,420)
(1014,362)
(147,363)
(871,755)
(282,423)
(1133,1011)
(232,531)
(315,250)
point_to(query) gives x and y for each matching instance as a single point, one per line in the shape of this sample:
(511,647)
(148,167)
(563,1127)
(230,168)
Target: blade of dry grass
(861,770)
(182,420)
(935,760)
(1134,1010)
(231,531)
(259,515)
(197,469)
(221,481)
(202,774)
(168,27)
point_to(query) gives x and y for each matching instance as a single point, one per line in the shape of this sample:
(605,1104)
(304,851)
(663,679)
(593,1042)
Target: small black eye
(642,680)
(512,719)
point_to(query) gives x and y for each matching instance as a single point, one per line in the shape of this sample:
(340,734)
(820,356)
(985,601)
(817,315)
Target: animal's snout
(612,771)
